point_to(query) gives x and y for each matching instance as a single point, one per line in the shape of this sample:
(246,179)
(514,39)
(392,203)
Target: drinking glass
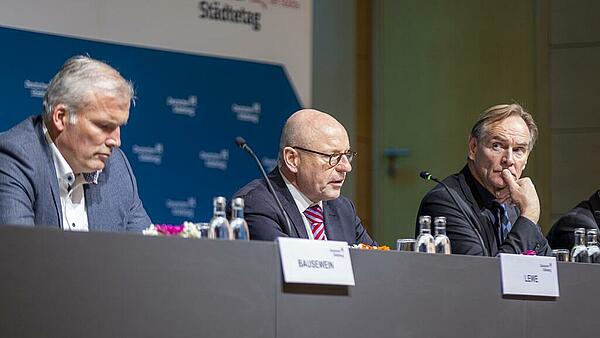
(405,244)
(562,255)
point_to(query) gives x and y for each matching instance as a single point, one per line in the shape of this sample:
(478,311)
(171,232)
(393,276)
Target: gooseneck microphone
(244,145)
(428,177)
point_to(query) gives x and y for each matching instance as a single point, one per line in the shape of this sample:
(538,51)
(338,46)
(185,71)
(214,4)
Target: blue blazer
(29,193)
(266,222)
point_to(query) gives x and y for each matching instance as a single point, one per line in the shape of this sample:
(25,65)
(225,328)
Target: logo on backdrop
(213,10)
(247,113)
(36,89)
(269,163)
(149,154)
(185,208)
(183,106)
(215,160)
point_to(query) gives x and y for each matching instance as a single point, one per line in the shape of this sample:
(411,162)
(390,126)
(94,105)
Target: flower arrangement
(186,230)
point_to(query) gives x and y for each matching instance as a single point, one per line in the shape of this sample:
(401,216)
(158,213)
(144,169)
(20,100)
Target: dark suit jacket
(472,233)
(585,215)
(29,192)
(266,222)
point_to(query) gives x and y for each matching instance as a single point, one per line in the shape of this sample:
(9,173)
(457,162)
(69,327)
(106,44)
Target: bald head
(308,127)
(315,154)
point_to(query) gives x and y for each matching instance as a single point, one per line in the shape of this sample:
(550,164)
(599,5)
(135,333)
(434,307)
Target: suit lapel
(49,162)
(289,205)
(489,238)
(92,194)
(91,210)
(333,228)
(56,196)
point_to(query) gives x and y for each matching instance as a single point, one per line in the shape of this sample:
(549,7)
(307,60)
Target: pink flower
(169,229)
(529,253)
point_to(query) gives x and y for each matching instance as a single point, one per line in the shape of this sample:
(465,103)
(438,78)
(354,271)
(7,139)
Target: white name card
(315,262)
(529,275)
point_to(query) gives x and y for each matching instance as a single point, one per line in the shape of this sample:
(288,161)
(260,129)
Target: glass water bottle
(593,248)
(238,223)
(425,242)
(219,226)
(579,252)
(442,242)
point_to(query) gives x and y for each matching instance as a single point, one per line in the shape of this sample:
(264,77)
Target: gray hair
(79,76)
(500,112)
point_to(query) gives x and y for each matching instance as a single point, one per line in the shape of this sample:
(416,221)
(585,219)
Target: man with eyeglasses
(489,207)
(314,158)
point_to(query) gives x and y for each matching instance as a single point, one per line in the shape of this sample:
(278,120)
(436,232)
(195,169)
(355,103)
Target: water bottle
(593,248)
(425,242)
(579,252)
(442,242)
(219,226)
(238,223)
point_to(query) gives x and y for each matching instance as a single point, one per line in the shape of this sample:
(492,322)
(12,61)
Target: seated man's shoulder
(439,192)
(341,202)
(257,186)
(20,147)
(21,135)
(561,234)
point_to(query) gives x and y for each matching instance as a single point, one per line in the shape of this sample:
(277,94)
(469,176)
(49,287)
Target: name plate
(529,275)
(315,262)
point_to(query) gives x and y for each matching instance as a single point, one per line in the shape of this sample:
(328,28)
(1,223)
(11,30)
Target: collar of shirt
(302,202)
(66,178)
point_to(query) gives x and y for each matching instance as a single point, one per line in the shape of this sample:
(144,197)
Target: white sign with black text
(315,262)
(529,275)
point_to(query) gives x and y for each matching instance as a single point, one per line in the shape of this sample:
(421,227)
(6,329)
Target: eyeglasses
(335,158)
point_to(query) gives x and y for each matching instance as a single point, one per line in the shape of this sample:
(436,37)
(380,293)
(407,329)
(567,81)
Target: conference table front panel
(57,284)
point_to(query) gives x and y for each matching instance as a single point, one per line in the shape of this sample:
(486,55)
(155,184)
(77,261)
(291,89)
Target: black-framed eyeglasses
(334,158)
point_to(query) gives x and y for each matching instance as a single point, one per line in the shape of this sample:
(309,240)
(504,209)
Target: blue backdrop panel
(188,110)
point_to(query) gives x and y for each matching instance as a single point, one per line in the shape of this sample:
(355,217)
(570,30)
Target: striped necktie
(314,215)
(503,220)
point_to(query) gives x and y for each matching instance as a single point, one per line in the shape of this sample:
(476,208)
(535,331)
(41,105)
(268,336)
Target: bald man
(314,158)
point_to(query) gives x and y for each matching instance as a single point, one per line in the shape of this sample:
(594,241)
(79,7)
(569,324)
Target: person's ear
(291,159)
(472,148)
(60,117)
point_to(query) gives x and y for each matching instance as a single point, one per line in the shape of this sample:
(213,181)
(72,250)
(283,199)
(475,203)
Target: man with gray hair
(489,207)
(64,169)
(314,158)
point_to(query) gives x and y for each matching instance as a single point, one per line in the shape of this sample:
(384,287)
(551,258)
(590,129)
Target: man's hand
(523,195)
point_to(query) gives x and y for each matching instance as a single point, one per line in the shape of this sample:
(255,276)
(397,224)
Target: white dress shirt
(72,197)
(303,203)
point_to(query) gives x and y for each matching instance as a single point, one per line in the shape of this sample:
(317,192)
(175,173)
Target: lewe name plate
(529,275)
(315,262)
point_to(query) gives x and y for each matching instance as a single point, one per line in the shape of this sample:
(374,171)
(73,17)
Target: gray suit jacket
(29,193)
(266,222)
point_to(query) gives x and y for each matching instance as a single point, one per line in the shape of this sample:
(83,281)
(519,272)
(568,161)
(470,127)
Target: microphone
(428,177)
(241,142)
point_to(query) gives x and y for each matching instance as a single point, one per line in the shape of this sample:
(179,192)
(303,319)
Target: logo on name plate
(246,113)
(182,208)
(185,107)
(149,154)
(215,160)
(36,89)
